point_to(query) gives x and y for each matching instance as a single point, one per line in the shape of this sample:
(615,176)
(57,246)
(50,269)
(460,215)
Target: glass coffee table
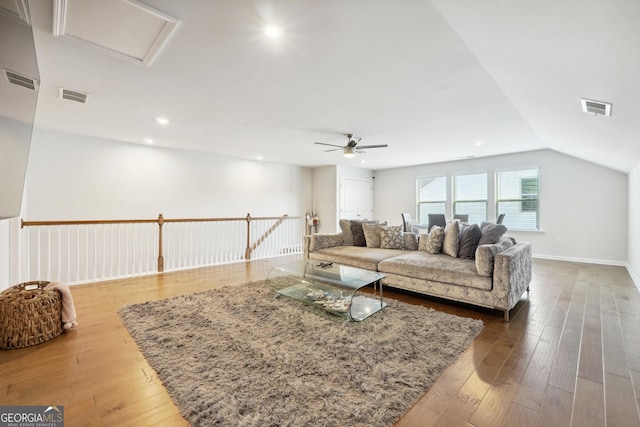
(334,287)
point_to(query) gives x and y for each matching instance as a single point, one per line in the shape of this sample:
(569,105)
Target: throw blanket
(68,309)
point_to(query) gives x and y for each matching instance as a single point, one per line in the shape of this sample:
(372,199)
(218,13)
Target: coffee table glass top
(335,288)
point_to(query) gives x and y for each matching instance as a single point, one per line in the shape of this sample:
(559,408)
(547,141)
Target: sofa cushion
(437,268)
(321,241)
(347,235)
(451,239)
(372,234)
(391,237)
(485,256)
(432,242)
(469,238)
(367,258)
(491,233)
(358,232)
(410,240)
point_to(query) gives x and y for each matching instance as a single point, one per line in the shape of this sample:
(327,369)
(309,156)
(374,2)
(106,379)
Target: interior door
(356,199)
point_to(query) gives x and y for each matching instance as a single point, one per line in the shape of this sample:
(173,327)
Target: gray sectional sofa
(495,275)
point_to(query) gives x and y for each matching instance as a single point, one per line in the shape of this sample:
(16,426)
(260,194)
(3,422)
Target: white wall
(634,225)
(326,193)
(75,177)
(325,199)
(582,204)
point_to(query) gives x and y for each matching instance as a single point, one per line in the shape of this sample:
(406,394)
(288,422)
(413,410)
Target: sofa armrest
(319,241)
(511,275)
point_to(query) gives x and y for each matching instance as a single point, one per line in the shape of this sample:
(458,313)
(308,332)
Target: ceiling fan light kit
(350,150)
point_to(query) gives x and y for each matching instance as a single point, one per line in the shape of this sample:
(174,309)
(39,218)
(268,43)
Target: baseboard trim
(582,260)
(634,277)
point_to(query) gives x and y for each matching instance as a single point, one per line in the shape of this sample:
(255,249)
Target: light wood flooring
(570,356)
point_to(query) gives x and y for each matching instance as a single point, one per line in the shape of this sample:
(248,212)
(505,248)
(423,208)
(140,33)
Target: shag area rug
(236,356)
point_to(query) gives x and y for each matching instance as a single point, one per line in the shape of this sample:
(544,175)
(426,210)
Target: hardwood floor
(570,356)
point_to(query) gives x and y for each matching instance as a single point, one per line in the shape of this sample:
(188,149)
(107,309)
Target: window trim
(497,200)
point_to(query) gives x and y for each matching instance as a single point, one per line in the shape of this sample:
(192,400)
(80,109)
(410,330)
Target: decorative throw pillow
(410,240)
(485,256)
(357,233)
(391,237)
(321,241)
(432,241)
(372,234)
(469,238)
(347,235)
(451,239)
(491,233)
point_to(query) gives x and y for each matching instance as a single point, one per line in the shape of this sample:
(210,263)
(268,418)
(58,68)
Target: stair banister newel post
(160,256)
(247,252)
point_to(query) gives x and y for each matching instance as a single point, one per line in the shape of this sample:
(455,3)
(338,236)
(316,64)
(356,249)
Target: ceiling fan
(352,147)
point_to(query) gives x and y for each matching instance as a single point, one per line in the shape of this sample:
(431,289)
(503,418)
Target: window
(517,196)
(470,196)
(432,197)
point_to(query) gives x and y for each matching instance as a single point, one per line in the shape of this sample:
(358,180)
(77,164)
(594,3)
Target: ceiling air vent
(596,107)
(74,95)
(20,80)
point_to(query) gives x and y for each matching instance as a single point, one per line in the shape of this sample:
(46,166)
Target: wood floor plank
(588,406)
(556,408)
(519,416)
(578,319)
(534,382)
(620,403)
(590,362)
(615,360)
(565,367)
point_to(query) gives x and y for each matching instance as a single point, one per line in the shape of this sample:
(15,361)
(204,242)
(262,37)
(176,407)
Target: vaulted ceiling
(436,80)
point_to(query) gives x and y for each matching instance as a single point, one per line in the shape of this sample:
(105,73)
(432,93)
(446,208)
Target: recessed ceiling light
(272,31)
(363,161)
(148,140)
(162,121)
(478,143)
(259,157)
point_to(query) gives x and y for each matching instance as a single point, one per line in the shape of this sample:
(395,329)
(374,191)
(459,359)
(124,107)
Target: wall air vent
(596,107)
(20,80)
(74,95)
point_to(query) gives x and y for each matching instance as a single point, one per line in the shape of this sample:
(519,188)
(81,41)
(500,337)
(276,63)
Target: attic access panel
(142,30)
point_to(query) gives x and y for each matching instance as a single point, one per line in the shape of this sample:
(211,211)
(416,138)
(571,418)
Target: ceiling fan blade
(333,149)
(330,145)
(374,146)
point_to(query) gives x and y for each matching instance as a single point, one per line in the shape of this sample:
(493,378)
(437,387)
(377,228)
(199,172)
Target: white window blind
(432,197)
(518,196)
(470,196)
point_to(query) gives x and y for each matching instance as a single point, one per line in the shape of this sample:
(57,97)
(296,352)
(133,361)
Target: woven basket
(29,315)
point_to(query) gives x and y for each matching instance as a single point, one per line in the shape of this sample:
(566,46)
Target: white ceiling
(429,78)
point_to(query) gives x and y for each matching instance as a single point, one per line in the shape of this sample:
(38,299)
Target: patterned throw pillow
(432,242)
(451,242)
(391,237)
